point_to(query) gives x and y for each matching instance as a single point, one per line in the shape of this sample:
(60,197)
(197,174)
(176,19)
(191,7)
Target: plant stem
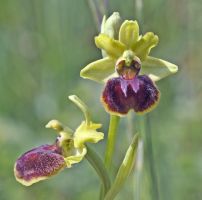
(138,10)
(96,17)
(145,130)
(102,7)
(138,171)
(96,162)
(113,125)
(149,147)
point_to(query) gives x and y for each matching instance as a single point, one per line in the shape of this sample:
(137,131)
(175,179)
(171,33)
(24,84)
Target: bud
(111,27)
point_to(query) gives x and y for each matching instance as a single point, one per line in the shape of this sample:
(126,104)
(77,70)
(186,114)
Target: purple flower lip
(121,95)
(38,164)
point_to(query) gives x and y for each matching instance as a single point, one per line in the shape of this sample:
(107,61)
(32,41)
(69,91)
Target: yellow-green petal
(129,33)
(87,133)
(112,47)
(157,68)
(99,70)
(144,45)
(76,157)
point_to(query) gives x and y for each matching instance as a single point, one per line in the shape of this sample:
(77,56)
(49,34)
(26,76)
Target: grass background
(43,46)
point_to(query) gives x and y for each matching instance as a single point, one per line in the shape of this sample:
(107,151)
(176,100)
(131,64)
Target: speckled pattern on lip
(120,95)
(39,163)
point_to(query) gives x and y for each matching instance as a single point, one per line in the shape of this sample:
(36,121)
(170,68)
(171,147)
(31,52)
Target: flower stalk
(112,131)
(144,127)
(150,157)
(113,126)
(96,162)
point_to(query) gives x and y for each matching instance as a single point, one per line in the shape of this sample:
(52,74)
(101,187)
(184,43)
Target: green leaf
(144,45)
(97,163)
(99,70)
(129,33)
(157,68)
(124,170)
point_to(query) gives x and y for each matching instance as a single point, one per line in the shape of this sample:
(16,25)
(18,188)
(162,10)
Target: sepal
(157,68)
(99,70)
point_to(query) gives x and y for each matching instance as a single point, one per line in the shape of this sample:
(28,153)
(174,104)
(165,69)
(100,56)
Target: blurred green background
(43,46)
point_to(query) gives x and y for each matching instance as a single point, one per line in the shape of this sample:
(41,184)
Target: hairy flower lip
(38,164)
(120,95)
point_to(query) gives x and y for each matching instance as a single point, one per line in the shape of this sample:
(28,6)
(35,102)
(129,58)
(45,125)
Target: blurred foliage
(43,46)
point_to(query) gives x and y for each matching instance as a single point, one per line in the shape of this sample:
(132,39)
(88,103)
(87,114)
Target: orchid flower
(69,148)
(127,70)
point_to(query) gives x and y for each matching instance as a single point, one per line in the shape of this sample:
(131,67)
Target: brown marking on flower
(128,71)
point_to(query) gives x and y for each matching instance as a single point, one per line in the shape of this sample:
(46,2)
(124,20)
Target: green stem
(138,171)
(149,147)
(145,130)
(96,162)
(138,10)
(113,125)
(93,9)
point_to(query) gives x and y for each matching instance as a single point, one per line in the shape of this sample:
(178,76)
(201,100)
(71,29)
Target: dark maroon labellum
(39,163)
(120,95)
